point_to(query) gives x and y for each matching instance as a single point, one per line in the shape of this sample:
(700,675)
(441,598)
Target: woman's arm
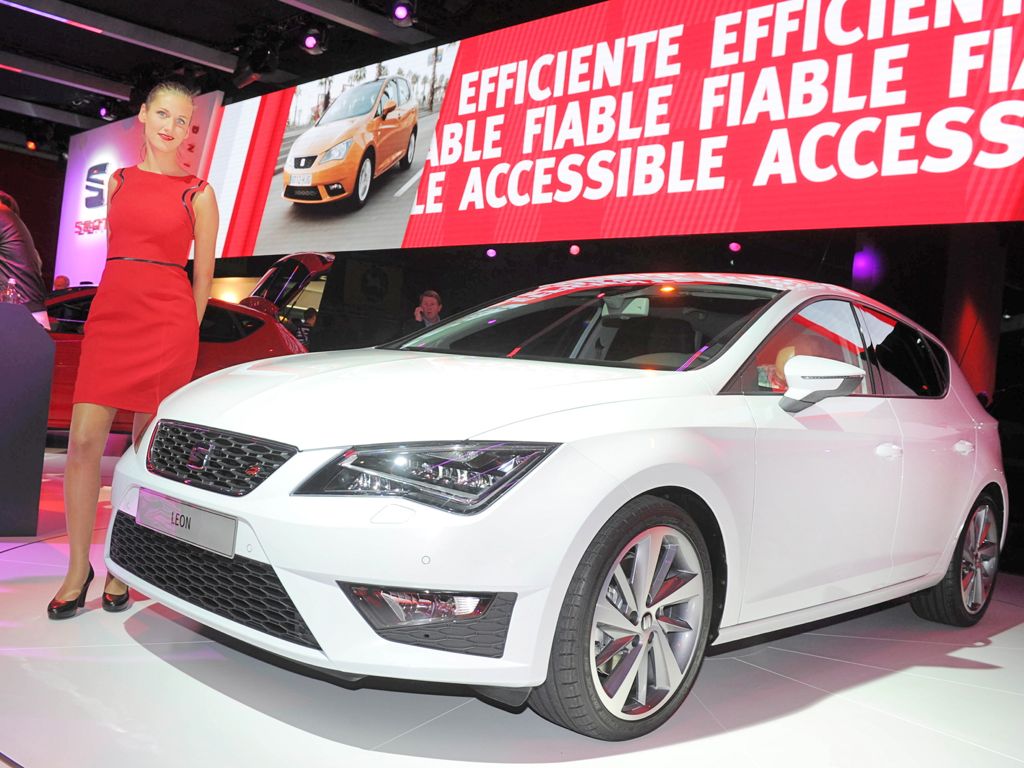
(112,185)
(207,221)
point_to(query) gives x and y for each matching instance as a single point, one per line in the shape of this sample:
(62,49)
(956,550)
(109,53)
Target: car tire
(364,180)
(607,640)
(964,594)
(410,150)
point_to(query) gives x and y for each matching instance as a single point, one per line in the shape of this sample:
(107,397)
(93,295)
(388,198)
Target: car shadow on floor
(745,686)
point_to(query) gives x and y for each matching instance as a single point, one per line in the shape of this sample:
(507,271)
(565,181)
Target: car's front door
(390,143)
(827,479)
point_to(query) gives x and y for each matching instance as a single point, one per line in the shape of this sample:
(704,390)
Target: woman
(142,335)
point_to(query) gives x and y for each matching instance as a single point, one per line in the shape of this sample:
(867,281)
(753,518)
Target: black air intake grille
(302,193)
(222,462)
(245,591)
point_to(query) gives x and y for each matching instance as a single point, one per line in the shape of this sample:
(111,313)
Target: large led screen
(635,118)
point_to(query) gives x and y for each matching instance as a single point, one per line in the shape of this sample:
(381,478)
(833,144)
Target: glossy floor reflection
(150,688)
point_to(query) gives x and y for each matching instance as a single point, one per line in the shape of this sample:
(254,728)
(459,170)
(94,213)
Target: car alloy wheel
(634,625)
(964,594)
(363,181)
(410,150)
(979,558)
(647,620)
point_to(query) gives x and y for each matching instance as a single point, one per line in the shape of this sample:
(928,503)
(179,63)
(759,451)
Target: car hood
(378,396)
(320,138)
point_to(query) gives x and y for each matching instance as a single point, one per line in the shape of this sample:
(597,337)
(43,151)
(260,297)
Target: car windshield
(663,325)
(352,103)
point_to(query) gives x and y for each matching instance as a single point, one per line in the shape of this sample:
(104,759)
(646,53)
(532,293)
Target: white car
(565,496)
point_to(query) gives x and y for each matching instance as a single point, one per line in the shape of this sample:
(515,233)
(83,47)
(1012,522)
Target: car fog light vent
(386,607)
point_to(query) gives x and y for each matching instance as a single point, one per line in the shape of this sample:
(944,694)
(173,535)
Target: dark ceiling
(110,52)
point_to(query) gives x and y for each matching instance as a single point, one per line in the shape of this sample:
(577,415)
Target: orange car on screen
(365,131)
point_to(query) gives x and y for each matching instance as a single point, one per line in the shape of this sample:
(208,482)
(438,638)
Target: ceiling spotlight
(31,145)
(314,41)
(108,111)
(259,58)
(403,12)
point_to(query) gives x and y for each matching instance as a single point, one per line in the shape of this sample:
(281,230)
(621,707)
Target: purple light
(574,250)
(400,12)
(104,112)
(310,41)
(491,322)
(735,247)
(867,268)
(490,253)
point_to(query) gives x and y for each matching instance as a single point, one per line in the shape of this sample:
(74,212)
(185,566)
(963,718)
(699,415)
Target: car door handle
(888,451)
(964,447)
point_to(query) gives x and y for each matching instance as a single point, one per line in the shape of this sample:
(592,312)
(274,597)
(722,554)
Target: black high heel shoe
(65,609)
(115,603)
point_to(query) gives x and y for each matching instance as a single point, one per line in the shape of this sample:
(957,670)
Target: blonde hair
(172,87)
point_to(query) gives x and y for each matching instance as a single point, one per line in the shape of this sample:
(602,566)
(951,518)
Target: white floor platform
(150,688)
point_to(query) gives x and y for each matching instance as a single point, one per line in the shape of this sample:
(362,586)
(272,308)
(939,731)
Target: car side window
(70,316)
(218,326)
(390,94)
(825,328)
(906,359)
(403,90)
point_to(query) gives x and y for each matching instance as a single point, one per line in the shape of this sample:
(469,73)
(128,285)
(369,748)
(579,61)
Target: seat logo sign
(199,456)
(95,186)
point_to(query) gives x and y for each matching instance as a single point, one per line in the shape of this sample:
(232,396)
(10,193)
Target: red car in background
(230,333)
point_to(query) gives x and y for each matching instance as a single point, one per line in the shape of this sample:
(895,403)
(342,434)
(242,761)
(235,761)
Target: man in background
(20,260)
(305,326)
(428,312)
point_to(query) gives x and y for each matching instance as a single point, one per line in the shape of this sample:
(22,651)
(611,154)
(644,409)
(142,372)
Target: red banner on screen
(660,117)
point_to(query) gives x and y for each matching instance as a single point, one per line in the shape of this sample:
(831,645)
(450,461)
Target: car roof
(768,282)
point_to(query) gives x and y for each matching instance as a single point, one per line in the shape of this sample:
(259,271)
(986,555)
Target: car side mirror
(812,379)
(389,106)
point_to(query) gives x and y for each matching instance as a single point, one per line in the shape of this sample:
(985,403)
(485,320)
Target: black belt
(146,261)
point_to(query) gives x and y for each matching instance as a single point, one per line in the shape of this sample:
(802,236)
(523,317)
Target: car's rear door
(939,439)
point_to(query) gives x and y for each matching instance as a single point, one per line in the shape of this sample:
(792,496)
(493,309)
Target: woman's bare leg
(115,586)
(90,427)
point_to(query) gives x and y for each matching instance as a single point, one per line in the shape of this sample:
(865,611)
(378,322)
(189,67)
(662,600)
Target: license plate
(302,179)
(201,527)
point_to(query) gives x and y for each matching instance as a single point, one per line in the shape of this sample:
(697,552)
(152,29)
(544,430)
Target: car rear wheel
(410,150)
(632,631)
(963,595)
(364,180)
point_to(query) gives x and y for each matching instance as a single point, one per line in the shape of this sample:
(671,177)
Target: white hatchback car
(565,496)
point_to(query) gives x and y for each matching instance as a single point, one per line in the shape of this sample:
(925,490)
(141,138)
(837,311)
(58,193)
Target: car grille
(302,193)
(245,591)
(304,162)
(222,462)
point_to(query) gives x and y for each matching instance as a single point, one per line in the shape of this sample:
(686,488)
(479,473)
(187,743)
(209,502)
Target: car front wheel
(632,631)
(364,179)
(963,595)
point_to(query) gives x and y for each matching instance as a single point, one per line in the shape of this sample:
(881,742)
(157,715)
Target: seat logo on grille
(253,470)
(199,456)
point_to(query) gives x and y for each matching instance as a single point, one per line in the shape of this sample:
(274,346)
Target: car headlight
(457,477)
(337,152)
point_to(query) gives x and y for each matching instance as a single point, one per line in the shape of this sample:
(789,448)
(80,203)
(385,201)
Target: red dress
(142,338)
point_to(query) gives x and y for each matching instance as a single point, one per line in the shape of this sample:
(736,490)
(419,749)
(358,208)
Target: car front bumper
(301,547)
